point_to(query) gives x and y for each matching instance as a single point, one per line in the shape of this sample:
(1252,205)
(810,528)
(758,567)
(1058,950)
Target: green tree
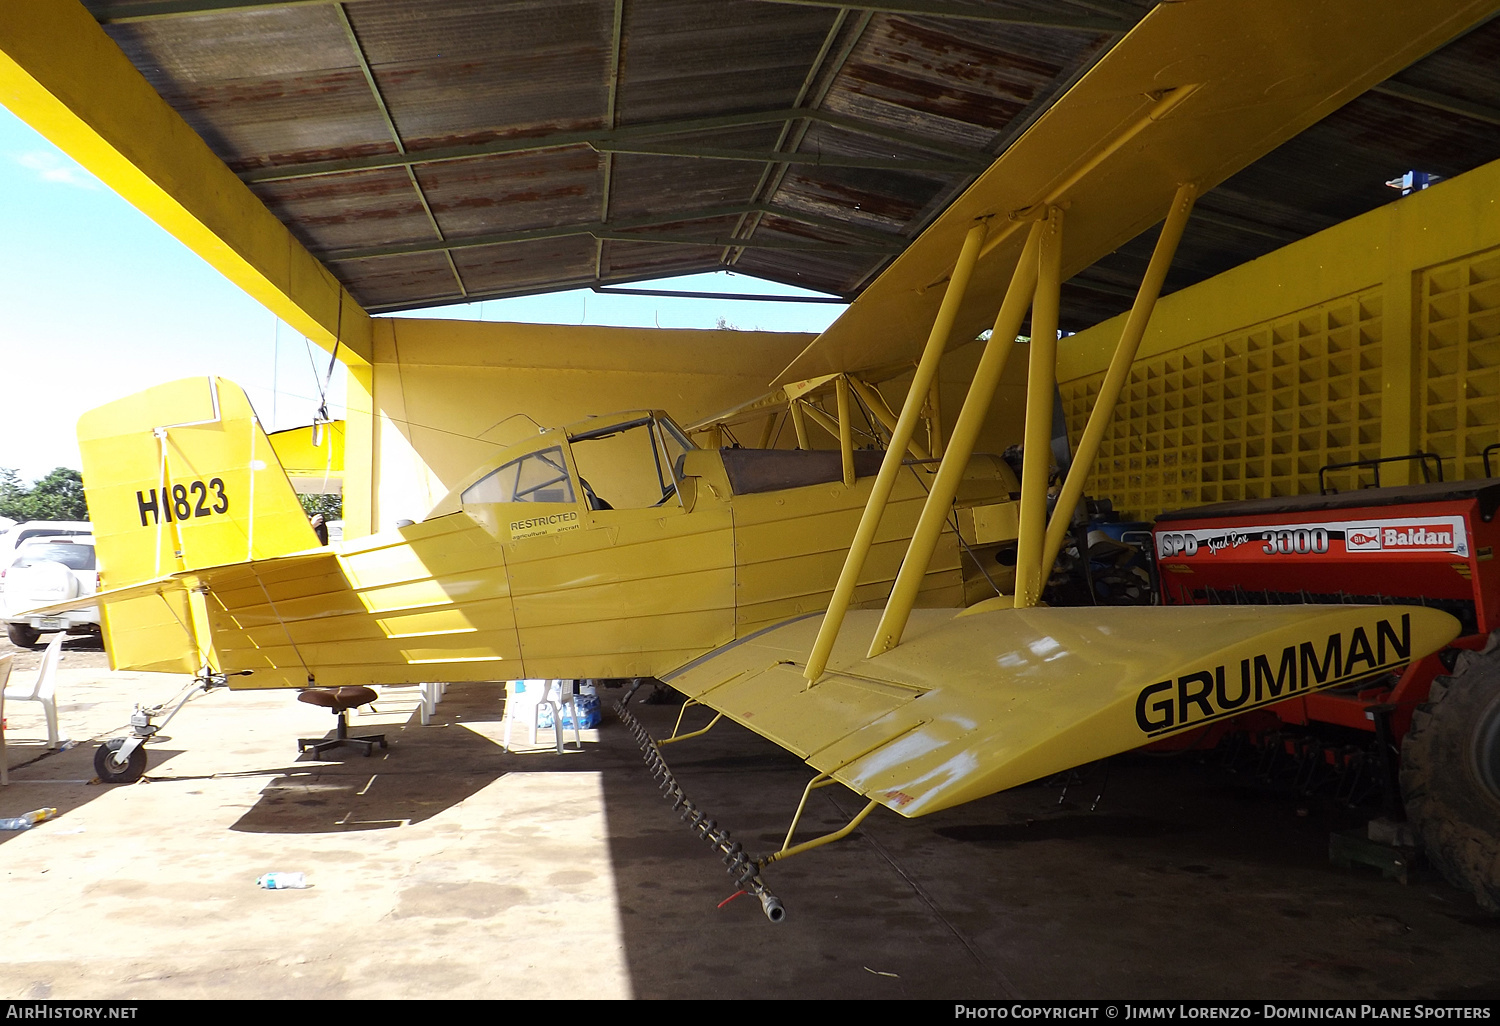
(331,506)
(58,496)
(12,493)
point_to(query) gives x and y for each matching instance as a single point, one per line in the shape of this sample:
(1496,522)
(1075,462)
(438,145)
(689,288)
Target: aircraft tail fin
(181,477)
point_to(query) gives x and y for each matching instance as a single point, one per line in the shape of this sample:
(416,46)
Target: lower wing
(980,700)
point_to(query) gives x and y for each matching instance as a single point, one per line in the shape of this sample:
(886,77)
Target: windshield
(73,555)
(537,477)
(630,465)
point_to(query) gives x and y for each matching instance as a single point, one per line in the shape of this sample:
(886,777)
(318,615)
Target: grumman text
(1211,693)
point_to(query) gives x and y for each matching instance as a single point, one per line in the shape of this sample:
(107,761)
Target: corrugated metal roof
(435,150)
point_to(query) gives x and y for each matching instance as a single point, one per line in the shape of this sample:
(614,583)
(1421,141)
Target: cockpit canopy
(540,476)
(621,461)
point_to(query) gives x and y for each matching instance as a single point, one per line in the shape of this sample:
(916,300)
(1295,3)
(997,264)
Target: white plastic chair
(43,689)
(565,692)
(525,698)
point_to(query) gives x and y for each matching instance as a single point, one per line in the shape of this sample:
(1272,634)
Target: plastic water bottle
(283,881)
(27,821)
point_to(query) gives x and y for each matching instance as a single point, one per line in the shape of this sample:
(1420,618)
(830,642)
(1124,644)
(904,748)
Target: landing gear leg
(122,760)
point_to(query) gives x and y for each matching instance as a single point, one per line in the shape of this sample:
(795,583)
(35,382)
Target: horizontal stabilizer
(156,586)
(978,701)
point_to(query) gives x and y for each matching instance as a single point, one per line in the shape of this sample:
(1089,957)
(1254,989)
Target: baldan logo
(1437,537)
(1406,538)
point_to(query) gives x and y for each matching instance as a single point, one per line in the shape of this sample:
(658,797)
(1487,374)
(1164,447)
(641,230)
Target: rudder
(180,477)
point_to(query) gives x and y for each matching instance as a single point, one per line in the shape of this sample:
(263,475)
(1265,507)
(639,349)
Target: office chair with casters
(339,701)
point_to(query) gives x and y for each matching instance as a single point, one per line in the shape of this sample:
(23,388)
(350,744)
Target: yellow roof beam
(61,74)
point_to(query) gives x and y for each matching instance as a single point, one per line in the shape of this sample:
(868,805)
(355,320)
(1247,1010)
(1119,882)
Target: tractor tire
(1450,775)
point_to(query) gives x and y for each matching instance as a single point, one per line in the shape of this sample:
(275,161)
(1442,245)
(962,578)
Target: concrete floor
(446,867)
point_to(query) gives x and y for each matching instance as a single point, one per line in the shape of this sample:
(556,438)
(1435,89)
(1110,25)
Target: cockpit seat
(593,500)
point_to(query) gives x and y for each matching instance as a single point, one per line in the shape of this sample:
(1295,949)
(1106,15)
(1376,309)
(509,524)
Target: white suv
(47,570)
(11,537)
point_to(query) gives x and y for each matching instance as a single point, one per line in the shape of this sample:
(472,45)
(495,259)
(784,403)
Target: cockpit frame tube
(846,429)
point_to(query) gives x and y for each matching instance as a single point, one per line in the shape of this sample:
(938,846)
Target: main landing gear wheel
(113,770)
(1450,775)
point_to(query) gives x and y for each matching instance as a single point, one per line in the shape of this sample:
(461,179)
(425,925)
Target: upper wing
(977,701)
(1195,92)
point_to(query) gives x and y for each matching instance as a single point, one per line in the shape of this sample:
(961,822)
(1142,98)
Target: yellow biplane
(844,604)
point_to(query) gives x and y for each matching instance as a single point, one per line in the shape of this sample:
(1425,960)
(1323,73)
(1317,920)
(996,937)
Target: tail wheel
(1450,775)
(114,770)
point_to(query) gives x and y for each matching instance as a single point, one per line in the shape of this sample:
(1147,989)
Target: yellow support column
(361,453)
(890,466)
(208,656)
(1041,381)
(960,447)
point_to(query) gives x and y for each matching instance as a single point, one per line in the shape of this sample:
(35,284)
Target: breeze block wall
(1377,337)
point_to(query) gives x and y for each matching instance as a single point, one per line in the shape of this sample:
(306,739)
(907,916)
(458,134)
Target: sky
(97,302)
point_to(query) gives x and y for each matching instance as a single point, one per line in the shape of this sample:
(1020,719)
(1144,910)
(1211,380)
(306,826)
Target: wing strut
(1041,380)
(1036,285)
(1119,369)
(960,447)
(890,466)
(1038,542)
